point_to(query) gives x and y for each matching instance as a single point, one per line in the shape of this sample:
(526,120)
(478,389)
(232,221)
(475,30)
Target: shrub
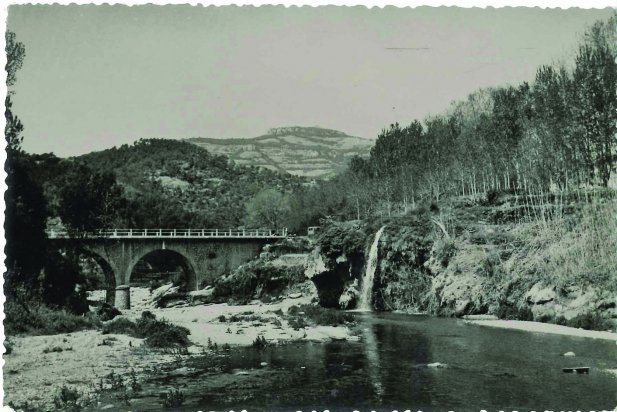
(160,333)
(590,321)
(445,249)
(509,312)
(121,326)
(157,333)
(8,347)
(342,239)
(35,318)
(172,399)
(260,342)
(318,315)
(107,312)
(24,407)
(67,399)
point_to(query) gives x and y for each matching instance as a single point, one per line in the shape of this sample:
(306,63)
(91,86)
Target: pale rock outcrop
(201,296)
(540,294)
(315,264)
(350,295)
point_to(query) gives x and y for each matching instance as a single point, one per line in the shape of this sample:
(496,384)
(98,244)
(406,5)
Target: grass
(578,251)
(157,333)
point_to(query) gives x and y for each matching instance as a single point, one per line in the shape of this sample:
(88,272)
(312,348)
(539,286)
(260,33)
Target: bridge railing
(171,233)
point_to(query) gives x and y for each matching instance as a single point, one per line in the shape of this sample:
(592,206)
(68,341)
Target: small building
(312,230)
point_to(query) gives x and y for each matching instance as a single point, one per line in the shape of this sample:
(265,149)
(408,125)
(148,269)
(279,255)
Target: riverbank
(39,366)
(539,327)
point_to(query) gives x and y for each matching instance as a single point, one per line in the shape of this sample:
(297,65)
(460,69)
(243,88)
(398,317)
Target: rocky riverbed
(39,366)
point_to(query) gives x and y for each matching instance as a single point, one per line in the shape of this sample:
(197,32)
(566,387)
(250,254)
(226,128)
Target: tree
(24,225)
(90,200)
(595,79)
(268,208)
(15,54)
(26,208)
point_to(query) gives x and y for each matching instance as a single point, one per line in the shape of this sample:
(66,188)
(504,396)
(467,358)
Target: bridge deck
(171,234)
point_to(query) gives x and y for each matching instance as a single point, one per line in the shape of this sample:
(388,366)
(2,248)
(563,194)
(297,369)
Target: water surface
(390,369)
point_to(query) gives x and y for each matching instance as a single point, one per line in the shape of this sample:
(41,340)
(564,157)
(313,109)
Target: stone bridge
(205,253)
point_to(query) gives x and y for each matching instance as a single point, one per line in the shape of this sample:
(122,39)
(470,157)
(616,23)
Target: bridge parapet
(171,234)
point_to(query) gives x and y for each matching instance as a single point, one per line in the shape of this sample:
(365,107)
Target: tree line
(558,132)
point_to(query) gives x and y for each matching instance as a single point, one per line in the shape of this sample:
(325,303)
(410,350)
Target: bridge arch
(109,274)
(175,257)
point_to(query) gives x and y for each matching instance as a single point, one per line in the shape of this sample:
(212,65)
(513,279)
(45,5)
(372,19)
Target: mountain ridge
(312,152)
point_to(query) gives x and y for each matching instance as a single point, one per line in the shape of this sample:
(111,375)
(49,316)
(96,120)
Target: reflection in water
(372,357)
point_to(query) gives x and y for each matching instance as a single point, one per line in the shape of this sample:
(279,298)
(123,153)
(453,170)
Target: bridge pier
(123,297)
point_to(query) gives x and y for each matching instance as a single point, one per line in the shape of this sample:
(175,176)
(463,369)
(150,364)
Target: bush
(122,326)
(342,239)
(318,315)
(590,321)
(297,323)
(160,333)
(157,333)
(509,312)
(260,342)
(67,399)
(445,249)
(35,318)
(107,312)
(172,399)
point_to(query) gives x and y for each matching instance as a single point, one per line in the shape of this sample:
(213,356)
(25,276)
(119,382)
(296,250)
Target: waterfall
(364,302)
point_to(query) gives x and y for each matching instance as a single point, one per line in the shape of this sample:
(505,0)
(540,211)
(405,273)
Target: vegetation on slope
(558,133)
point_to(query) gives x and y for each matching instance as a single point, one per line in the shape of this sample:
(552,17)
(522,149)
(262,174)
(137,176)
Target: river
(394,367)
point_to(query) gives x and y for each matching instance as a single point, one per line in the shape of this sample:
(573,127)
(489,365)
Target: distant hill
(312,152)
(180,185)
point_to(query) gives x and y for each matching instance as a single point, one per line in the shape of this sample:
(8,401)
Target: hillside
(302,151)
(175,183)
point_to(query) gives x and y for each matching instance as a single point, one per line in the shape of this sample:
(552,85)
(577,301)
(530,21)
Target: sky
(101,76)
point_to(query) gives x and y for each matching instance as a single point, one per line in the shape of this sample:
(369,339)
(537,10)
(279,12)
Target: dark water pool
(486,368)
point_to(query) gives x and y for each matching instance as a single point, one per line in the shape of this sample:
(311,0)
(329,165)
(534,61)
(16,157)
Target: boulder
(296,295)
(201,296)
(107,312)
(168,296)
(160,291)
(540,294)
(173,303)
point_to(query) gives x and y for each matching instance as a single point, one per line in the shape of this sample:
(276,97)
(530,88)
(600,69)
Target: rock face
(349,297)
(459,288)
(335,279)
(572,303)
(315,264)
